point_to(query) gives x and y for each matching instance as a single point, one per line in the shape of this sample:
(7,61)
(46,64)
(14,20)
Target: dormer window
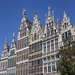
(69,33)
(55,31)
(48,33)
(52,32)
(66,35)
(65,25)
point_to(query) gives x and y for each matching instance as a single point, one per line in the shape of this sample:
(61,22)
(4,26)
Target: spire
(65,14)
(5,43)
(65,18)
(49,14)
(24,16)
(24,12)
(53,14)
(35,18)
(13,39)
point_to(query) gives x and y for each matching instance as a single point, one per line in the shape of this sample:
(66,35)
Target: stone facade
(22,50)
(8,59)
(4,60)
(11,70)
(36,48)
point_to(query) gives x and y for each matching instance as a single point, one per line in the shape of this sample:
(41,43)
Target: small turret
(66,21)
(51,25)
(49,13)
(35,21)
(5,44)
(53,14)
(24,16)
(13,40)
(24,12)
(65,14)
(65,18)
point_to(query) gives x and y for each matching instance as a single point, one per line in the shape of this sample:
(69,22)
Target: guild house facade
(36,48)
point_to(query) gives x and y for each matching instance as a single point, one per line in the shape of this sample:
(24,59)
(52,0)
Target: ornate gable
(51,25)
(67,28)
(36,31)
(5,49)
(25,26)
(66,22)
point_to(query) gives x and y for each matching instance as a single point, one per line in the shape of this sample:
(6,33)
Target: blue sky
(11,14)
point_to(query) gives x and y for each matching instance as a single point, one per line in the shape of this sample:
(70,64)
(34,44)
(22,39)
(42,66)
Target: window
(69,33)
(48,32)
(49,67)
(45,69)
(65,24)
(63,36)
(53,67)
(55,32)
(44,47)
(56,44)
(48,46)
(52,32)
(52,45)
(40,46)
(48,58)
(36,36)
(45,59)
(57,56)
(66,35)
(52,57)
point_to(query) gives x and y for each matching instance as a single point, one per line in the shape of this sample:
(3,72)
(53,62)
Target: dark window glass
(69,33)
(56,44)
(53,66)
(52,45)
(49,68)
(45,69)
(48,46)
(44,47)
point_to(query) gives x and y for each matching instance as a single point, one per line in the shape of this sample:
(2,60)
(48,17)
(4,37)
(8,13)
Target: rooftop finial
(65,14)
(24,12)
(66,18)
(13,34)
(5,43)
(53,13)
(13,39)
(49,10)
(35,18)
